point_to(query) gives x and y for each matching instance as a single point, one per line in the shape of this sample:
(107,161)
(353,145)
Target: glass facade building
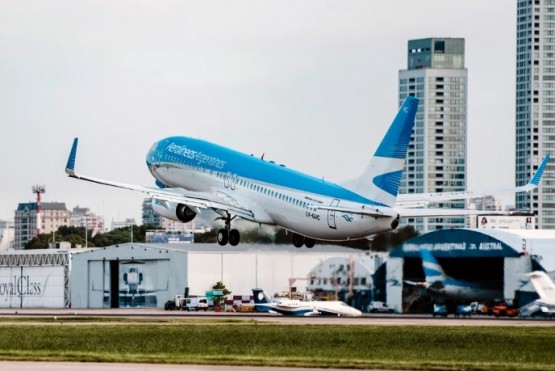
(535,106)
(436,158)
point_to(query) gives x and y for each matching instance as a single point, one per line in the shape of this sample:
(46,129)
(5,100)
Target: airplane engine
(173,210)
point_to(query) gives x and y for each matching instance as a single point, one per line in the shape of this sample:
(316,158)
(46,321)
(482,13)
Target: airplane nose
(152,154)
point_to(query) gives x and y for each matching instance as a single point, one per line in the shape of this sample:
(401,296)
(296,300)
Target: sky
(312,84)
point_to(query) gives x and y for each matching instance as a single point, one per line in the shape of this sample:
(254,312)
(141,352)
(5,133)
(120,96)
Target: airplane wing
(195,200)
(423,199)
(415,283)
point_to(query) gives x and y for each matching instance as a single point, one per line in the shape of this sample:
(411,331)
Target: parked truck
(192,303)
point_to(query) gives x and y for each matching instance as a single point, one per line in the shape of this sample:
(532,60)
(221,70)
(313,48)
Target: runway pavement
(92,366)
(368,319)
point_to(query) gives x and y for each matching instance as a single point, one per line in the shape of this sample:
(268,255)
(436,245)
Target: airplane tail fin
(543,284)
(382,177)
(432,270)
(260,297)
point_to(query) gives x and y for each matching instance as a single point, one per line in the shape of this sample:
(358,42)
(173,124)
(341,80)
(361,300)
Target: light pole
(86,233)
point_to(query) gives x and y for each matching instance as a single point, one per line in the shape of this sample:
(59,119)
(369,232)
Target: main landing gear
(227,234)
(299,241)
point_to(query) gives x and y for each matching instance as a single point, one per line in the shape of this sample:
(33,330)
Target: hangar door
(128,284)
(33,287)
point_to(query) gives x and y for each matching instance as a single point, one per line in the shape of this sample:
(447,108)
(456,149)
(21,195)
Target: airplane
(193,175)
(546,291)
(438,282)
(293,307)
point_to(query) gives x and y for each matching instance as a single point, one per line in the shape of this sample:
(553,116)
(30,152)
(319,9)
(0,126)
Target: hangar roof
(241,248)
(480,243)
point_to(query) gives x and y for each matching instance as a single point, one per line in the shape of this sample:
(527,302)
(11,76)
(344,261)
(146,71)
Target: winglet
(70,167)
(538,175)
(535,180)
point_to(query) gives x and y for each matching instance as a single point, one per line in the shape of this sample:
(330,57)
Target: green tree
(207,237)
(220,300)
(283,237)
(389,240)
(256,235)
(74,235)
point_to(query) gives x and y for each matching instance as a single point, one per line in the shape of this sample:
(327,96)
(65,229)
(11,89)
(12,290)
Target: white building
(84,217)
(34,279)
(147,275)
(7,234)
(436,158)
(535,106)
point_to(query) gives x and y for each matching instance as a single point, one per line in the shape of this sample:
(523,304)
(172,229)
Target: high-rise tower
(436,159)
(535,105)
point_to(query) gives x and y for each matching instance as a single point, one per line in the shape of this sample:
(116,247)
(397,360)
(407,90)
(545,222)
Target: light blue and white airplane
(193,174)
(294,307)
(440,283)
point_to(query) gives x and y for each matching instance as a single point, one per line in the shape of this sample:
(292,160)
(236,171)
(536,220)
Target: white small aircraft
(546,290)
(193,174)
(293,307)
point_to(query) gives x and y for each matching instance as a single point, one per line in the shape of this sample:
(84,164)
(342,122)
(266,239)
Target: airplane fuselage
(275,194)
(465,290)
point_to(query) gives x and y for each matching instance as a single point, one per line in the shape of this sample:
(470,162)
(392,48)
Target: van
(196,303)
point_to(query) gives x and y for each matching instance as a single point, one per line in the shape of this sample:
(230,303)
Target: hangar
(147,275)
(498,258)
(34,279)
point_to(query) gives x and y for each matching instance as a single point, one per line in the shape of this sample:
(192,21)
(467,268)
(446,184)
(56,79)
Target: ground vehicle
(502,309)
(379,307)
(440,310)
(477,308)
(190,303)
(463,310)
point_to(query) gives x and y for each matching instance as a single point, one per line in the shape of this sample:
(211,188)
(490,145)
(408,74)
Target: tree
(220,300)
(283,237)
(386,241)
(207,237)
(74,235)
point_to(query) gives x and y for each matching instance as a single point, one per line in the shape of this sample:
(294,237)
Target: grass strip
(412,347)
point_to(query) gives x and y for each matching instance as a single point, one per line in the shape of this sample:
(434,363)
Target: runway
(106,366)
(161,316)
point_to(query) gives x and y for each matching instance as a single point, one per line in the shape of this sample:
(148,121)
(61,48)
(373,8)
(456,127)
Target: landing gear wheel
(309,242)
(298,240)
(222,237)
(234,237)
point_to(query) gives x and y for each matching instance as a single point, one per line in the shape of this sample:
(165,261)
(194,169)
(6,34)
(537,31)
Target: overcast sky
(312,84)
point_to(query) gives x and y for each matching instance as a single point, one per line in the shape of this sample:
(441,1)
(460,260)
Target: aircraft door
(331,215)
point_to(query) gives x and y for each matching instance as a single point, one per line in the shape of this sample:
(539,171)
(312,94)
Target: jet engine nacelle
(173,210)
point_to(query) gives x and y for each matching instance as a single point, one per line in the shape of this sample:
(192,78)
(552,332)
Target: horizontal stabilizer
(423,199)
(439,212)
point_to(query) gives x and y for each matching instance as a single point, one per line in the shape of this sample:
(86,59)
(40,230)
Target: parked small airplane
(440,283)
(546,291)
(192,174)
(293,307)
